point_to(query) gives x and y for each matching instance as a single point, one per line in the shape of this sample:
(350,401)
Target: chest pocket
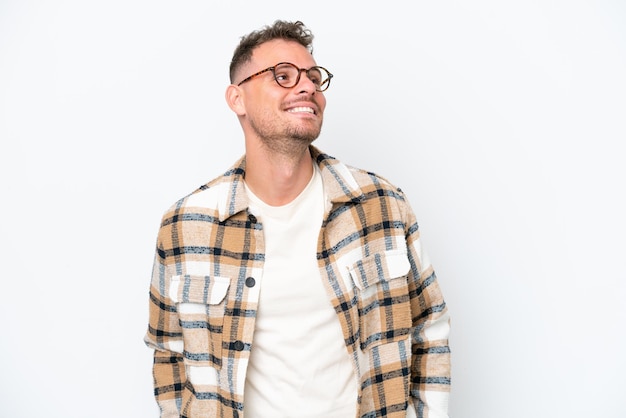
(383,297)
(201,304)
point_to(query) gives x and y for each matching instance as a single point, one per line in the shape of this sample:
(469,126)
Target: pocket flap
(207,290)
(379,267)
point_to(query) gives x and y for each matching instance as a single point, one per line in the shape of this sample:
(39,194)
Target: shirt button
(238,346)
(250,282)
(252,218)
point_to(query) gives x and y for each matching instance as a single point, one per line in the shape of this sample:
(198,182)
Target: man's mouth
(302,109)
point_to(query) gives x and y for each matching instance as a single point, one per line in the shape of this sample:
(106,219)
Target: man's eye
(315,76)
(282,76)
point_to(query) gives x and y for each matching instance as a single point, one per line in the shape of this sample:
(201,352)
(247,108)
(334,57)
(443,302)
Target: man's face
(280,116)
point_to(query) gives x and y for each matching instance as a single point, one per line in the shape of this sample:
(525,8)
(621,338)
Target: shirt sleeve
(430,361)
(164,335)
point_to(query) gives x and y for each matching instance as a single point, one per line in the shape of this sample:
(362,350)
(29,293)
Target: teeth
(301,109)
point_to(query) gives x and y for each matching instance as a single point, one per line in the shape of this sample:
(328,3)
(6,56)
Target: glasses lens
(320,77)
(317,75)
(286,74)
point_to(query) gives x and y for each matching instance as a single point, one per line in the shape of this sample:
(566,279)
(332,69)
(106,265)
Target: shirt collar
(340,186)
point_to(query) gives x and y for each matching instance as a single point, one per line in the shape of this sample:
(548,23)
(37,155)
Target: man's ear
(234,98)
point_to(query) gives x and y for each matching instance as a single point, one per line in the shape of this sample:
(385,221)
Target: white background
(504,122)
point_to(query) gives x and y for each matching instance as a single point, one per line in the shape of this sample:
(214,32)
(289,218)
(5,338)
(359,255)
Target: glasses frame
(322,87)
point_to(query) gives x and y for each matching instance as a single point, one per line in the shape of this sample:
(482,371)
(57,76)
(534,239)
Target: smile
(301,109)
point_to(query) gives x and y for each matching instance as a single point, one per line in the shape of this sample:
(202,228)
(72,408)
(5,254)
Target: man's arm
(430,371)
(165,337)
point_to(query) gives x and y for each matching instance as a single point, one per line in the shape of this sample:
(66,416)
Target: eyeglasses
(287,75)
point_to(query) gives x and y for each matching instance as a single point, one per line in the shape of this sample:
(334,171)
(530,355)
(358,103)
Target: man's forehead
(279,50)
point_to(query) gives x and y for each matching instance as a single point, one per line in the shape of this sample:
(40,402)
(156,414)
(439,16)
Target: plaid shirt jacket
(205,289)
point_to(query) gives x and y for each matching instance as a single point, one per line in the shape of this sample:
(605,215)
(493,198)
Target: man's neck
(276,178)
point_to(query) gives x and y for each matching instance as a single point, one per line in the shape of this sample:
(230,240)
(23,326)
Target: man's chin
(304,136)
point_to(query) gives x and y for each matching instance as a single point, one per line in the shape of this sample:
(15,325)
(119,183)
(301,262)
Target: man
(294,285)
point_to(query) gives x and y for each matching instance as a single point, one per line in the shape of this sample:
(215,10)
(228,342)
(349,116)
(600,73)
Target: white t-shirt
(299,365)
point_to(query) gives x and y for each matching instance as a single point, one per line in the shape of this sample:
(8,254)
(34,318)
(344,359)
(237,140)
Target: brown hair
(291,31)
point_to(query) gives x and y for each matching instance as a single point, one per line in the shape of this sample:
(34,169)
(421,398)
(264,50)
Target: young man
(294,285)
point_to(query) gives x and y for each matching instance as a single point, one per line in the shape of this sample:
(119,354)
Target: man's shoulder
(362,176)
(371,182)
(370,178)
(209,197)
